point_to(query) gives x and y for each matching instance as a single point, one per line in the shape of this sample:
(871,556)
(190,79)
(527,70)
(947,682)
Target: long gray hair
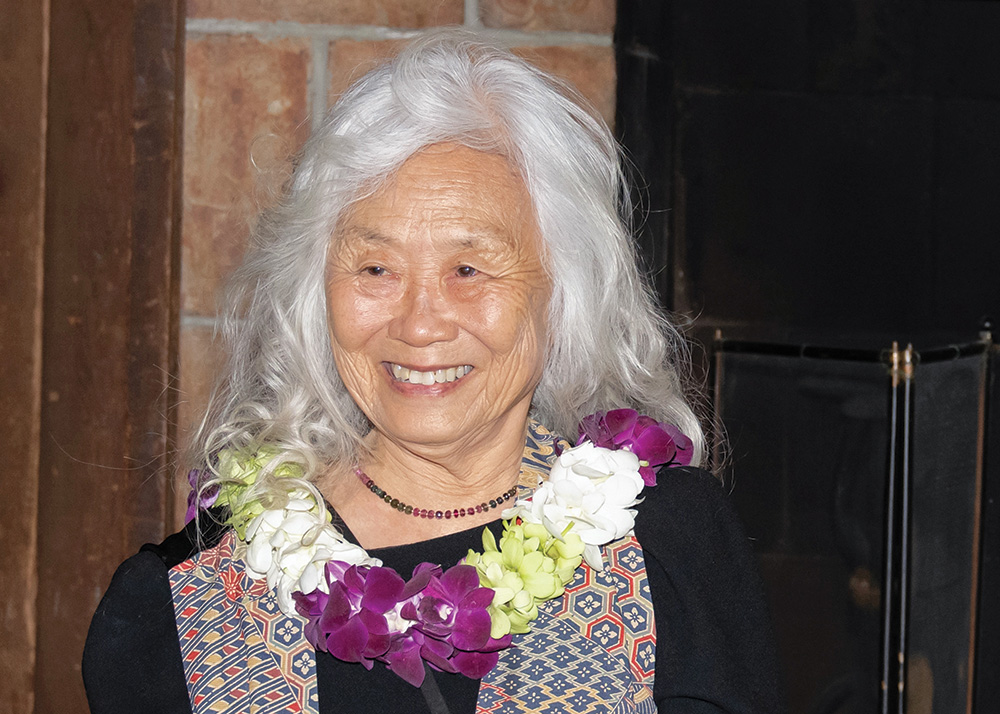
(611,346)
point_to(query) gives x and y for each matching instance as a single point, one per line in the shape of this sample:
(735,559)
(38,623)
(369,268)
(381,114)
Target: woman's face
(437,300)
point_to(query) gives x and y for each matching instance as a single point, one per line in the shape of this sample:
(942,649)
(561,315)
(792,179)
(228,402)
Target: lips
(437,376)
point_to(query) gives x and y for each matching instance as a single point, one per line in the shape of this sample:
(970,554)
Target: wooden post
(23,74)
(89,191)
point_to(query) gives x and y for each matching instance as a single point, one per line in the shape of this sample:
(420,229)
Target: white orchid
(590,491)
(291,546)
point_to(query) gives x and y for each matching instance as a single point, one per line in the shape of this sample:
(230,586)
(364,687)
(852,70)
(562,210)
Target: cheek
(352,322)
(513,328)
(351,316)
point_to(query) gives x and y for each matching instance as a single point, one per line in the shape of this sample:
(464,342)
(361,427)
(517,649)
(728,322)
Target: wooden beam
(110,316)
(23,37)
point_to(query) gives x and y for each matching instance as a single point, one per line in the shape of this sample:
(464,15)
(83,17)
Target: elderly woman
(390,518)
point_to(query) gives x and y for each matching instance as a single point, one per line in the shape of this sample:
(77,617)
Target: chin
(423,433)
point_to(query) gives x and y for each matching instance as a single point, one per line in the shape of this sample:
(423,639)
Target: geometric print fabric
(240,652)
(593,650)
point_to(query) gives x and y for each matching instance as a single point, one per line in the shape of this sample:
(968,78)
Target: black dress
(714,649)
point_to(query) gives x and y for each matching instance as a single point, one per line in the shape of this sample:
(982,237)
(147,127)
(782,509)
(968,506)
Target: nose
(423,315)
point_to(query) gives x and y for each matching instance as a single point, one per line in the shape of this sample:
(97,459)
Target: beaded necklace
(454,620)
(431,513)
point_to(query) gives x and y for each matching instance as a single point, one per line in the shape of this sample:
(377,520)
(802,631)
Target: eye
(466,271)
(375,270)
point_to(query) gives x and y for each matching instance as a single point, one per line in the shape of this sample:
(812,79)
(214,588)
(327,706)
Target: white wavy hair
(611,346)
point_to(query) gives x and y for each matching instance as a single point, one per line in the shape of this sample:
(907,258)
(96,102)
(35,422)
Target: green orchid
(568,554)
(239,472)
(528,566)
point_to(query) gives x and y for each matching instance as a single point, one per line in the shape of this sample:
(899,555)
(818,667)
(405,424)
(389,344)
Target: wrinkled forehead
(463,237)
(447,193)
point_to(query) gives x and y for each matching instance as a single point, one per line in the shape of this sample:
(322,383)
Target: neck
(478,468)
(475,469)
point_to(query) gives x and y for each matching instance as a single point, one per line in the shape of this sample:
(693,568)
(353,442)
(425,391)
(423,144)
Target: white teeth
(400,373)
(438,376)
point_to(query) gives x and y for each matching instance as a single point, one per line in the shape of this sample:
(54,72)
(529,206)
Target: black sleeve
(715,646)
(132,659)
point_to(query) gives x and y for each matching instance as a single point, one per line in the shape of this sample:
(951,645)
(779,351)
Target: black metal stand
(897,637)
(897,532)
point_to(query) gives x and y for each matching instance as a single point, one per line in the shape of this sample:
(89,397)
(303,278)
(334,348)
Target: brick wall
(259,73)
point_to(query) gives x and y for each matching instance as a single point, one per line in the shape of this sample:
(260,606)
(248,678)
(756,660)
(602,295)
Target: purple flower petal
(337,610)
(620,424)
(379,638)
(475,664)
(348,642)
(409,611)
(310,605)
(495,644)
(314,637)
(374,622)
(590,429)
(459,580)
(436,661)
(472,629)
(422,575)
(335,571)
(683,444)
(654,445)
(198,498)
(429,568)
(434,611)
(353,579)
(406,663)
(439,648)
(480,597)
(382,588)
(653,442)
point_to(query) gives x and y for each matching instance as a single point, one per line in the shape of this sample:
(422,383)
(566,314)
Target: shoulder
(138,592)
(139,597)
(689,530)
(686,485)
(132,659)
(714,638)
(688,527)
(687,503)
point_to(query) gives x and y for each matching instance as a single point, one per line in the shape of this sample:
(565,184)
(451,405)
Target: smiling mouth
(437,376)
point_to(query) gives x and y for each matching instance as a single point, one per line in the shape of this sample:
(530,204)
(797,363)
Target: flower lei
(456,620)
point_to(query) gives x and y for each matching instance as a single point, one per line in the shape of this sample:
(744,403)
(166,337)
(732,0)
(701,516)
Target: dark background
(825,171)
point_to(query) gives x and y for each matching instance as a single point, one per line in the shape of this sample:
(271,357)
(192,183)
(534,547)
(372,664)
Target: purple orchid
(199,499)
(371,614)
(451,614)
(655,443)
(350,622)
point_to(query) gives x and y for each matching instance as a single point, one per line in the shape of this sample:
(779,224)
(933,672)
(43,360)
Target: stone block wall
(260,73)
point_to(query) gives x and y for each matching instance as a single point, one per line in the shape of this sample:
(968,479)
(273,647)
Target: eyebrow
(364,234)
